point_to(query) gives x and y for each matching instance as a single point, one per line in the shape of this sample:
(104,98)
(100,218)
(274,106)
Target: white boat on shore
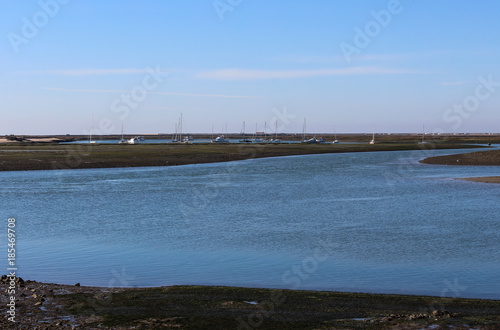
(314,140)
(136,139)
(220,139)
(311,140)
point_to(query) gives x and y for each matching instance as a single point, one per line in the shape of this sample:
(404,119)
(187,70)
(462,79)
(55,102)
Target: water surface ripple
(369,222)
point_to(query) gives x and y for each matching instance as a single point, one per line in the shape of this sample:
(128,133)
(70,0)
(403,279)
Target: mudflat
(19,157)
(480,158)
(485,158)
(50,306)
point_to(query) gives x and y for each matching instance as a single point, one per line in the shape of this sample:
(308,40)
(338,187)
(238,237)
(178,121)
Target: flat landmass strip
(485,179)
(55,306)
(484,158)
(18,157)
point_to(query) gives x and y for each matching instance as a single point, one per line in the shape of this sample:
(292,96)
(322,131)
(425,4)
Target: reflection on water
(371,222)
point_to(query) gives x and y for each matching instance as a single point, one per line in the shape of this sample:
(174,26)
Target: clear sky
(391,66)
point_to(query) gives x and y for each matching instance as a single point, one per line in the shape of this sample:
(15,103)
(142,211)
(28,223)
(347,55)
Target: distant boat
(243,133)
(423,135)
(91,127)
(276,140)
(266,140)
(177,138)
(314,140)
(220,139)
(122,141)
(311,140)
(335,131)
(136,139)
(255,138)
(373,138)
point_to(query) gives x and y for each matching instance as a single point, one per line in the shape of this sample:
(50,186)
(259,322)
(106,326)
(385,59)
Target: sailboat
(255,138)
(311,140)
(221,138)
(423,136)
(335,131)
(122,140)
(91,127)
(373,137)
(276,140)
(177,138)
(243,133)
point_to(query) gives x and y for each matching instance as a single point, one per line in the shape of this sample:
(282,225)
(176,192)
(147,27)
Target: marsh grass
(229,308)
(75,156)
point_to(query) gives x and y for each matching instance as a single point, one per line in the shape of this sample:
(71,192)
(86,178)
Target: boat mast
(91,126)
(304,130)
(180,129)
(276,130)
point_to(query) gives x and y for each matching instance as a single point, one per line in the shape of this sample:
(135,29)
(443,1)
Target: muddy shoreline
(480,158)
(49,306)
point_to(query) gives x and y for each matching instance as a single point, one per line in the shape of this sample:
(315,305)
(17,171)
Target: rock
(38,303)
(77,284)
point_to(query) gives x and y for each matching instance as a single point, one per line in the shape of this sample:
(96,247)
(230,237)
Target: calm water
(370,222)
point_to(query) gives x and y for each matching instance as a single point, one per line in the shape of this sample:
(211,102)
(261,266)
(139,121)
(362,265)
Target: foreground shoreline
(79,307)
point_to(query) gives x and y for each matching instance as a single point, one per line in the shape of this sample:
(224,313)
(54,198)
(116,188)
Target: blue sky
(391,66)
